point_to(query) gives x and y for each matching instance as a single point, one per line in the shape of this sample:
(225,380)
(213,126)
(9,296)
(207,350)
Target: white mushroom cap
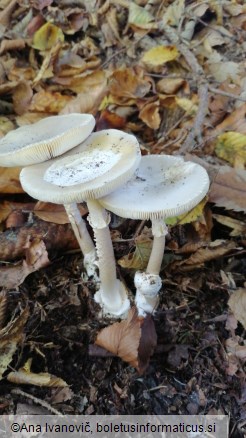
(45,139)
(163,186)
(103,162)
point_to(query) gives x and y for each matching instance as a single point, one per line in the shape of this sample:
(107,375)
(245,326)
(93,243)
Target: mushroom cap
(163,186)
(45,139)
(99,165)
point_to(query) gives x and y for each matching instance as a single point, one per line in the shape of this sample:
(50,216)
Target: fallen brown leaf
(237,304)
(54,213)
(133,340)
(228,189)
(213,251)
(36,258)
(55,237)
(9,180)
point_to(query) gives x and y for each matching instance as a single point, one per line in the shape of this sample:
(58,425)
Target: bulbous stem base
(147,288)
(114,308)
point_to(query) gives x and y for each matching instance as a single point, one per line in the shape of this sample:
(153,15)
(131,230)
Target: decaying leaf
(24,376)
(9,180)
(149,114)
(133,340)
(236,355)
(54,213)
(238,227)
(139,258)
(55,236)
(49,102)
(189,217)
(237,304)
(139,17)
(5,126)
(128,84)
(158,56)
(187,105)
(174,13)
(231,146)
(214,250)
(47,36)
(36,258)
(10,337)
(228,189)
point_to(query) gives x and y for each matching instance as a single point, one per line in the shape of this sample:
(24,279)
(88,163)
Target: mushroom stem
(149,283)
(112,294)
(84,239)
(159,231)
(156,256)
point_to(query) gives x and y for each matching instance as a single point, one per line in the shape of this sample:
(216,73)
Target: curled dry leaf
(58,237)
(125,83)
(238,227)
(49,102)
(149,114)
(36,258)
(10,337)
(47,36)
(213,251)
(237,304)
(7,45)
(133,340)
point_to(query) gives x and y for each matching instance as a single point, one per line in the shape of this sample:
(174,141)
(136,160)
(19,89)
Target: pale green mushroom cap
(45,139)
(99,165)
(163,186)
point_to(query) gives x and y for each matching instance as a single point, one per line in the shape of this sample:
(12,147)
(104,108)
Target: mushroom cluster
(163,186)
(40,142)
(105,169)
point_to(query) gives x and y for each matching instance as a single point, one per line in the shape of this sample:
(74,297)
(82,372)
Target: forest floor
(173,74)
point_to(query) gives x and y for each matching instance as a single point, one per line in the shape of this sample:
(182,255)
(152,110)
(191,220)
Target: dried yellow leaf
(139,258)
(189,217)
(231,146)
(47,36)
(187,105)
(159,55)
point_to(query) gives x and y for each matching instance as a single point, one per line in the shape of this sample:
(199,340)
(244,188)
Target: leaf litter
(174,75)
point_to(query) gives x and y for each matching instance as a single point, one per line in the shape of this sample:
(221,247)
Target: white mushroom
(163,186)
(45,139)
(108,159)
(41,141)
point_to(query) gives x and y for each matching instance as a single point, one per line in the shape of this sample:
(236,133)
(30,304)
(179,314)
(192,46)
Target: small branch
(36,400)
(199,119)
(226,94)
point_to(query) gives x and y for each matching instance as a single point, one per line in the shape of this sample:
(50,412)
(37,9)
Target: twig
(226,94)
(187,54)
(202,88)
(200,116)
(3,307)
(36,400)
